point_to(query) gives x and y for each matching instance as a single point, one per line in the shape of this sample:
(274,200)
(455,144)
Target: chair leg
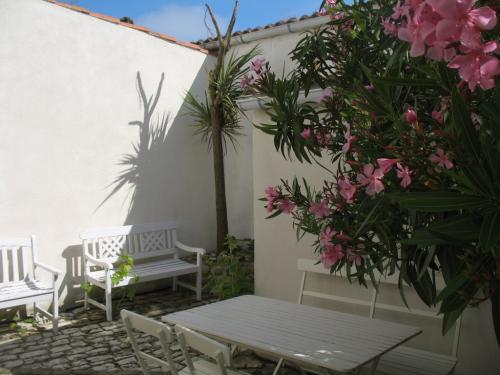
(278,366)
(55,312)
(109,303)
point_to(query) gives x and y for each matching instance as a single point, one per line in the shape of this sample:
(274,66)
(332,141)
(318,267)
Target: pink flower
(353,256)
(411,116)
(324,139)
(325,95)
(390,28)
(326,237)
(477,68)
(438,116)
(386,164)
(272,193)
(349,140)
(306,134)
(417,30)
(372,179)
(320,210)
(257,65)
(441,51)
(286,206)
(404,174)
(332,256)
(462,23)
(441,159)
(347,190)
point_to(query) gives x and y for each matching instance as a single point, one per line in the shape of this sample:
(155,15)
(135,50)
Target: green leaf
(490,230)
(427,83)
(438,201)
(451,317)
(462,228)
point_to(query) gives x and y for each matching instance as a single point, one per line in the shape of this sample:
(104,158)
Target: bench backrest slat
(140,241)
(307,266)
(16,257)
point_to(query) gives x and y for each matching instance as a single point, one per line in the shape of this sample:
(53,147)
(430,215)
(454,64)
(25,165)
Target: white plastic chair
(162,332)
(211,348)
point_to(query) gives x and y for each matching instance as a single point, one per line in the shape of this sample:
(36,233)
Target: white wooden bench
(20,284)
(154,248)
(402,360)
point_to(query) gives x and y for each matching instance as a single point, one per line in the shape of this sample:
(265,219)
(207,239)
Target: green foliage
(445,221)
(231,271)
(227,83)
(123,269)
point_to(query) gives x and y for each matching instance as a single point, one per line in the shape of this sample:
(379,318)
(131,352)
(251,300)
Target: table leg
(373,367)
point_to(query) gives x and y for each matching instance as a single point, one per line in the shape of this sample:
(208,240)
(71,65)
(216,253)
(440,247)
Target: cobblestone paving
(88,344)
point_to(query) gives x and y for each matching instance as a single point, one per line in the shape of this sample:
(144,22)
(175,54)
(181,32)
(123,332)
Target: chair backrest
(307,266)
(17,256)
(162,332)
(139,241)
(211,348)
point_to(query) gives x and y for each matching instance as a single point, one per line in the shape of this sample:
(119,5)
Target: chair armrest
(189,249)
(99,262)
(47,268)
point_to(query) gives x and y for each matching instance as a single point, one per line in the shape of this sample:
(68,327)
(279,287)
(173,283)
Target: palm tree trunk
(220,183)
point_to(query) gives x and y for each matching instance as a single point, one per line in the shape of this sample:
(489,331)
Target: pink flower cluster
(257,68)
(336,249)
(450,30)
(372,178)
(276,202)
(330,8)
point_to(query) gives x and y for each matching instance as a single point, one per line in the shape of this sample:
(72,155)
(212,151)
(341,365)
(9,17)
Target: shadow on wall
(168,175)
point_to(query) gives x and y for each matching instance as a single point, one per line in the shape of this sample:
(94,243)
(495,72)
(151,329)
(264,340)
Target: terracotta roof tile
(269,26)
(143,29)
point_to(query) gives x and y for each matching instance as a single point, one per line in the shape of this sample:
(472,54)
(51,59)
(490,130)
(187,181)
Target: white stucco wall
(68,92)
(277,249)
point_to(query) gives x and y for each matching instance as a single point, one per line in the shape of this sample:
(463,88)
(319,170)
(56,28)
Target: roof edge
(143,29)
(270,31)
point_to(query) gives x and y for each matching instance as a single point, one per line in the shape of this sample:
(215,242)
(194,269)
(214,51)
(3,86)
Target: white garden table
(310,337)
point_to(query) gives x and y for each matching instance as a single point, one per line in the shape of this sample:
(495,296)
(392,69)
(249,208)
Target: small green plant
(231,271)
(16,326)
(123,270)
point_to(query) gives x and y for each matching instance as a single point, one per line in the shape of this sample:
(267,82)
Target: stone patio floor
(88,344)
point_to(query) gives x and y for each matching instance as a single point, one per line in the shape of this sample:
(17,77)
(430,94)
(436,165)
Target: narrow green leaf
(438,201)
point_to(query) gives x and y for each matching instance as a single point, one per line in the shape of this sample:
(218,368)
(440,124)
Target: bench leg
(109,303)
(55,312)
(174,284)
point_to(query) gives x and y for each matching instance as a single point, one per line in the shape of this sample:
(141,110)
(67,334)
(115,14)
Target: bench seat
(410,361)
(149,271)
(23,292)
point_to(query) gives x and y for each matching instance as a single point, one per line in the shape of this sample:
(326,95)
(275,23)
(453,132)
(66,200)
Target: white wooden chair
(155,250)
(402,360)
(20,284)
(220,353)
(135,322)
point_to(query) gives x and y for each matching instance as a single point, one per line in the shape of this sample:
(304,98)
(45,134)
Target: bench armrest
(98,262)
(189,249)
(56,274)
(47,268)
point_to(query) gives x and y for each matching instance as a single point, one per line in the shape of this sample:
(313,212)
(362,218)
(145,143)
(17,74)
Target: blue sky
(184,19)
